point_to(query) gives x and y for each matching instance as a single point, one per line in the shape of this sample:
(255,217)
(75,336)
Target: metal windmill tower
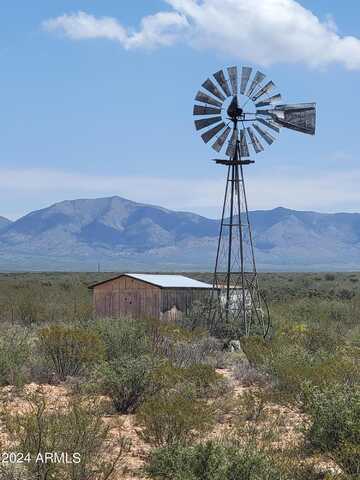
(236,110)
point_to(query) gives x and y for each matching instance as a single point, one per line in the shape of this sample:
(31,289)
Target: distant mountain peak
(124,234)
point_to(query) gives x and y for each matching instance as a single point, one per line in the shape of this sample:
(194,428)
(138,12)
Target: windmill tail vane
(239,111)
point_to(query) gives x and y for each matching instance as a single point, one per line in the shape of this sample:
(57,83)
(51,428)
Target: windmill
(240,111)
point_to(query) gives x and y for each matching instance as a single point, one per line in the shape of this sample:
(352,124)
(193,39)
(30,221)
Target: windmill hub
(234,111)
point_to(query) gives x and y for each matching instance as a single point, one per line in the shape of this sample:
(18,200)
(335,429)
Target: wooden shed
(147,295)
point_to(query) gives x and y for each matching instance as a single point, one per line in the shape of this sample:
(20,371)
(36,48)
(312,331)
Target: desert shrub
(198,315)
(122,336)
(211,461)
(27,307)
(81,312)
(126,380)
(258,419)
(174,417)
(293,368)
(179,462)
(335,427)
(303,352)
(206,382)
(249,375)
(78,432)
(14,472)
(203,380)
(329,277)
(251,406)
(14,353)
(42,371)
(345,294)
(347,456)
(69,349)
(256,350)
(315,335)
(220,359)
(185,354)
(318,338)
(182,347)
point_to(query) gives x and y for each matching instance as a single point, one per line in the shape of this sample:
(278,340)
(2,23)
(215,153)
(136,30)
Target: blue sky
(96,100)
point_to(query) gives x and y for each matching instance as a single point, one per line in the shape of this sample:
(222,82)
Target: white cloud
(161,29)
(265,32)
(31,189)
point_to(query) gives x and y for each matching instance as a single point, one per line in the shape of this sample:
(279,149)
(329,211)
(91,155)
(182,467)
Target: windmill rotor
(252,101)
(240,112)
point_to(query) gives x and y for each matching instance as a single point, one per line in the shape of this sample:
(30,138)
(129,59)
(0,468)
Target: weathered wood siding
(126,296)
(130,296)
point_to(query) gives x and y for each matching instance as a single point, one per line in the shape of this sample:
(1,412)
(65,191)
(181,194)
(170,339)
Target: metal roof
(169,281)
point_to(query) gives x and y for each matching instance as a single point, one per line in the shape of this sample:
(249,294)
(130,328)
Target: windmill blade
(245,75)
(244,149)
(269,139)
(230,151)
(220,78)
(300,117)
(221,139)
(204,98)
(206,122)
(259,77)
(265,89)
(200,110)
(207,136)
(212,88)
(232,71)
(255,141)
(269,123)
(269,101)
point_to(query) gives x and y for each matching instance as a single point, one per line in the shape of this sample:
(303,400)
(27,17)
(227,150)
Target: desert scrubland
(125,399)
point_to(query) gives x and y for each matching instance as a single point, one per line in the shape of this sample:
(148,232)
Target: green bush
(301,352)
(203,379)
(122,337)
(335,427)
(206,382)
(126,380)
(211,461)
(174,417)
(329,277)
(27,306)
(14,354)
(256,349)
(179,462)
(70,349)
(79,433)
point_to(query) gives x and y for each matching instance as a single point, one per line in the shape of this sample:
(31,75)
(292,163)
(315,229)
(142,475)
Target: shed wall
(126,296)
(129,296)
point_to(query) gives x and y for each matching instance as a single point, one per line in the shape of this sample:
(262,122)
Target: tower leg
(237,306)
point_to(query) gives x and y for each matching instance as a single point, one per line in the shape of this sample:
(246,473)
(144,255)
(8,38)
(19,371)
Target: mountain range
(4,222)
(121,235)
